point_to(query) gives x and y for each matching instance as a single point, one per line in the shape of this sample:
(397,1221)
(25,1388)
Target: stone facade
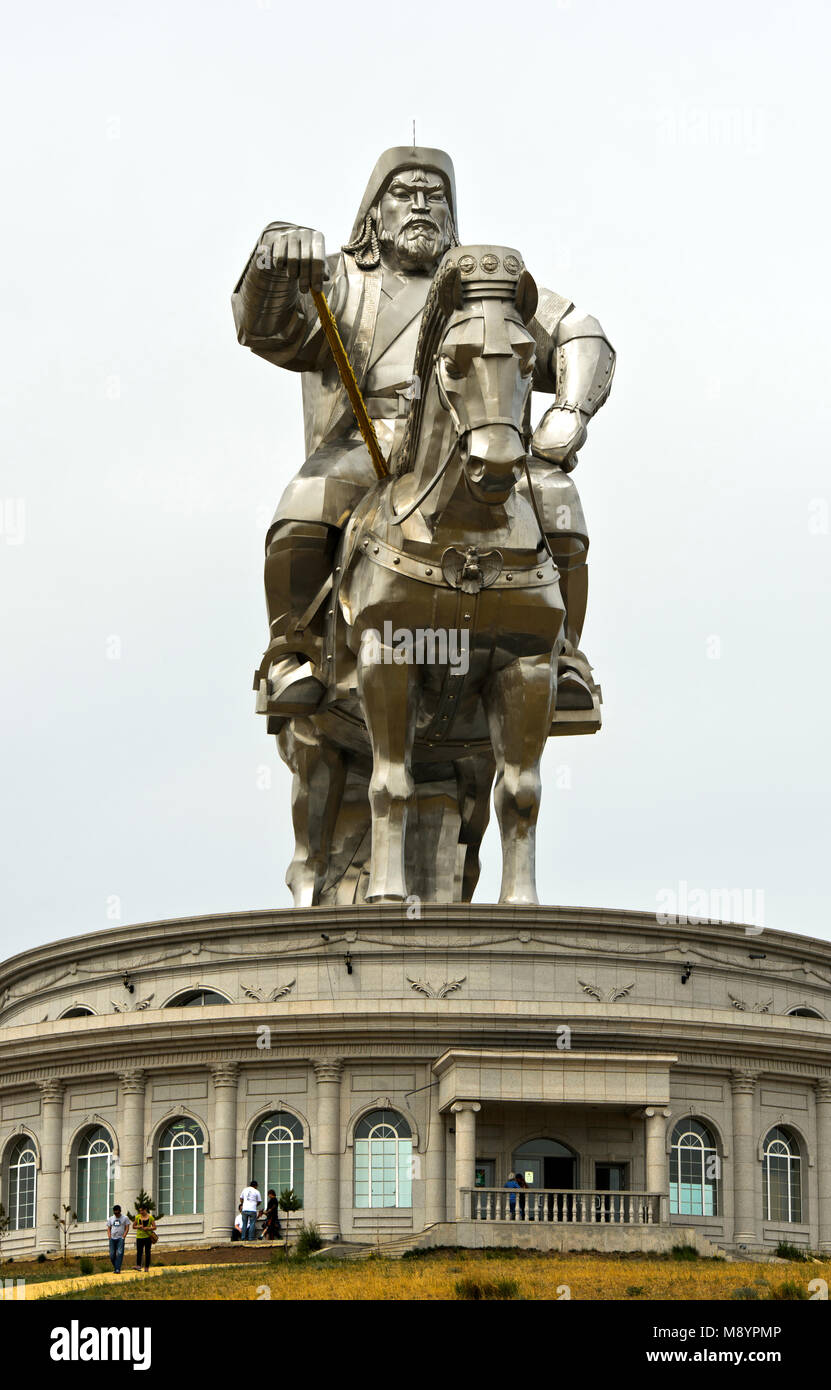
(487,1030)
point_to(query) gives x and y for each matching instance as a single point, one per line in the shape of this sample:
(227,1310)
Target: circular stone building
(653,1084)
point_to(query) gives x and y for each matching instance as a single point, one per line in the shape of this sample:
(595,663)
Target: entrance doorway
(609,1178)
(485,1169)
(546,1163)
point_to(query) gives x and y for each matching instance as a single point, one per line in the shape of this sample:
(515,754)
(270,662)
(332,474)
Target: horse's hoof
(293,688)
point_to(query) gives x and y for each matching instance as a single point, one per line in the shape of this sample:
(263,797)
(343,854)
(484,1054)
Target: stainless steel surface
(420,625)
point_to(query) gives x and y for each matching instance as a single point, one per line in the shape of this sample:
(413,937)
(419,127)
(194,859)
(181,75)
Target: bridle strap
(533,496)
(398,517)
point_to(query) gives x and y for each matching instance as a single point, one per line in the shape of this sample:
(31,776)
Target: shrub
(634,1290)
(790,1291)
(745,1294)
(41,1258)
(684,1252)
(498,1289)
(786,1251)
(86,1265)
(308,1239)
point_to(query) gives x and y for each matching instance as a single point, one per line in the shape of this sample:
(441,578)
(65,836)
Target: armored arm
(274,313)
(582,365)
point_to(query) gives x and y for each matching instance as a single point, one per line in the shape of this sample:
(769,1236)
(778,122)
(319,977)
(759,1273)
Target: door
(546,1163)
(559,1172)
(611,1178)
(485,1172)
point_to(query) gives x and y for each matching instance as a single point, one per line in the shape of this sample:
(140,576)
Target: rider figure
(377,286)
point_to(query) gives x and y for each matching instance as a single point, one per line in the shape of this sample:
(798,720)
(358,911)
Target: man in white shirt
(117,1228)
(251,1203)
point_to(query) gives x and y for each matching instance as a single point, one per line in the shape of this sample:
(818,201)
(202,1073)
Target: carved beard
(417,243)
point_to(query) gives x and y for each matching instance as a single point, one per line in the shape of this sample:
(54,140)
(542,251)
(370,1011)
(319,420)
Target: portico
(587,1130)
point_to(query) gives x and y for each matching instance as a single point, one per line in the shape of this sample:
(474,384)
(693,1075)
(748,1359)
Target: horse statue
(444,623)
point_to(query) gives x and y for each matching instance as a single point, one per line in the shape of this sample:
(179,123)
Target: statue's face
(414,223)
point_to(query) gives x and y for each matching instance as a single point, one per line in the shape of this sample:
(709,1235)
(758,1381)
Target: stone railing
(566,1206)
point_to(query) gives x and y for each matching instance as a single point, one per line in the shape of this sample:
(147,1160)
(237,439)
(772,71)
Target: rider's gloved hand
(299,252)
(558,436)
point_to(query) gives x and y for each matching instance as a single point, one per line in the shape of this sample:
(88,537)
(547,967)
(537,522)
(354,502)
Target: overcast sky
(662,165)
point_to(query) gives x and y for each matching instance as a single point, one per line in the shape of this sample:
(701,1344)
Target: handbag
(153,1237)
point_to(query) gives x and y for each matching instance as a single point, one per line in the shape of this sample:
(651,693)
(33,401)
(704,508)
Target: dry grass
(434,1277)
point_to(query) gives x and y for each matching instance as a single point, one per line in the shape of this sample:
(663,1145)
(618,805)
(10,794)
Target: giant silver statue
(425,625)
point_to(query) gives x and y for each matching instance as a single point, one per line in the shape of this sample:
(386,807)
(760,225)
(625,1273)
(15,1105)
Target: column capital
(823,1089)
(328,1068)
(51,1090)
(225,1073)
(743,1082)
(133,1081)
(649,1112)
(460,1106)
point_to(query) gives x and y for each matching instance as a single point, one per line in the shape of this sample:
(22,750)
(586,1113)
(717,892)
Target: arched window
(95,1175)
(693,1170)
(181,1169)
(782,1177)
(804,1012)
(195,998)
(22,1172)
(383,1160)
(277,1153)
(77,1011)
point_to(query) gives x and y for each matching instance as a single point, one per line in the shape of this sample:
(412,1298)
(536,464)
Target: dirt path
(83,1281)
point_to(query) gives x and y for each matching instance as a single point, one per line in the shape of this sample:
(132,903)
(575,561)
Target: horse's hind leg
(519,701)
(475,779)
(388,696)
(319,773)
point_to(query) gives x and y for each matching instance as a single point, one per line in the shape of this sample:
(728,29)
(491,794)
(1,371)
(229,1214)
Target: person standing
(144,1226)
(271,1230)
(513,1188)
(117,1228)
(251,1203)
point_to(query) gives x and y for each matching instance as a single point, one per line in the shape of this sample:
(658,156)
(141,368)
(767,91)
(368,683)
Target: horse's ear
(526,296)
(450,293)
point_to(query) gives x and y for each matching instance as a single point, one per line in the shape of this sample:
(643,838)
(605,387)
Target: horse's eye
(452,368)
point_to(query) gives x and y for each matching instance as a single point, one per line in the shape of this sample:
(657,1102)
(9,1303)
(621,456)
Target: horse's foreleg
(519,701)
(388,695)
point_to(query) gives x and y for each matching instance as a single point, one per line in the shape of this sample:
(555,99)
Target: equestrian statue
(425,571)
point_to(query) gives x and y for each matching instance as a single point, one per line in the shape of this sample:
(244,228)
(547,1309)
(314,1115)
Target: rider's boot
(298,562)
(575,684)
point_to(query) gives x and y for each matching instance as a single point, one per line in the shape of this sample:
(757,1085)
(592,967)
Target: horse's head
(475,361)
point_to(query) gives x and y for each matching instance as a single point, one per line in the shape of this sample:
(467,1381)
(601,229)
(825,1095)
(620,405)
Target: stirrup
(293,688)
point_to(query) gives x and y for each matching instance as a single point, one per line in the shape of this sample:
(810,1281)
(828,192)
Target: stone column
(131,1147)
(327,1160)
(435,1204)
(223,1194)
(51,1164)
(465,1112)
(655,1168)
(824,1164)
(745,1167)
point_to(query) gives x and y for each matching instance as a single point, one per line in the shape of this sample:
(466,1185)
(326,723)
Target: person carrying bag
(146,1237)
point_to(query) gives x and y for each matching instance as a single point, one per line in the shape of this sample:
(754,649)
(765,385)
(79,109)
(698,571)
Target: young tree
(4,1226)
(144,1200)
(64,1224)
(288,1201)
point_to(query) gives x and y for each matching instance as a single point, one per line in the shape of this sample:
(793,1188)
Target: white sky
(664,166)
